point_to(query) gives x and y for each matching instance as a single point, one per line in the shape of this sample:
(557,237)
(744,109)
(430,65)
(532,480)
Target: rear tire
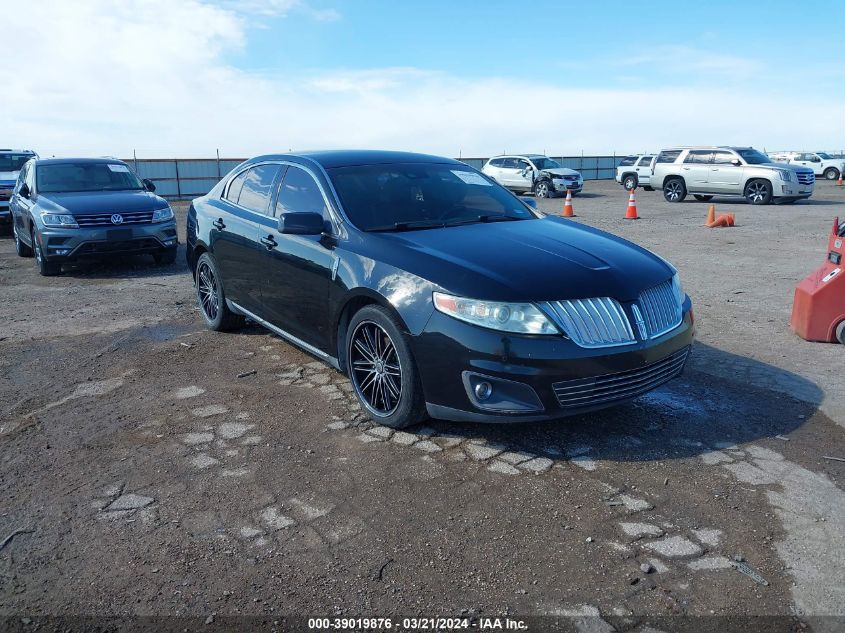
(840,332)
(758,192)
(47,269)
(212,299)
(382,369)
(701,198)
(831,173)
(20,248)
(630,181)
(674,190)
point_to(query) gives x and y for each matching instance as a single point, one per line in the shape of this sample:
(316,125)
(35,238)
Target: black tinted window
(497,162)
(68,177)
(257,188)
(668,157)
(300,194)
(509,163)
(235,187)
(378,197)
(628,160)
(645,160)
(698,156)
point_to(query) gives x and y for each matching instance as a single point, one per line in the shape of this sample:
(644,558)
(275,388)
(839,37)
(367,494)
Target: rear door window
(645,160)
(258,188)
(628,160)
(497,162)
(723,158)
(699,156)
(668,157)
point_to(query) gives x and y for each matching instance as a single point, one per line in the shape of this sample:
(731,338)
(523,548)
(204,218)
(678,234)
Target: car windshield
(13,162)
(414,196)
(825,156)
(753,157)
(545,163)
(69,177)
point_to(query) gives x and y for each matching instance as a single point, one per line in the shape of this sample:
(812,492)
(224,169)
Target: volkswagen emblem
(638,319)
(116,218)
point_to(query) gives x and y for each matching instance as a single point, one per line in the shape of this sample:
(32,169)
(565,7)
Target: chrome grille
(597,322)
(104,219)
(602,390)
(661,309)
(806,177)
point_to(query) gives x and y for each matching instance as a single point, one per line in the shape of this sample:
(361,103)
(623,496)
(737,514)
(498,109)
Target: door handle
(685,168)
(269,242)
(218,224)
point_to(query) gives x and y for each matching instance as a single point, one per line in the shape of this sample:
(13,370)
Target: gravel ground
(150,480)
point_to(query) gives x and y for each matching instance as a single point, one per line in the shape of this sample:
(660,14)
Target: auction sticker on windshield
(119,168)
(471,178)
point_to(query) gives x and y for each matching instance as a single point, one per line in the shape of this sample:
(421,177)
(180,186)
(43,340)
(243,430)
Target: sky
(186,78)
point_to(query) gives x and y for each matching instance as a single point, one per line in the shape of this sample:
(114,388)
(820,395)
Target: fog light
(483,390)
(168,242)
(62,251)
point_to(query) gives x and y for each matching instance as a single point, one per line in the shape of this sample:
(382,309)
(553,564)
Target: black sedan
(435,289)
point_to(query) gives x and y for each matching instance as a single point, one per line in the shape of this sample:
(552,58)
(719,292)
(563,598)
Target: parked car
(533,173)
(821,163)
(67,209)
(728,171)
(11,161)
(435,289)
(635,171)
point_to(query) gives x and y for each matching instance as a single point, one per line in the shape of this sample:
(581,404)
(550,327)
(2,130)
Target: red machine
(818,312)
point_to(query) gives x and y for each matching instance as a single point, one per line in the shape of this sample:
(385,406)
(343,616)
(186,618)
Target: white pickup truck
(821,163)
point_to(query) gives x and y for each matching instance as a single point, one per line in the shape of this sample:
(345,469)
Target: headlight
(679,290)
(59,220)
(785,175)
(523,318)
(162,215)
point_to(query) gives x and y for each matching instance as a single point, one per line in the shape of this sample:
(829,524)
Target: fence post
(178,183)
(219,175)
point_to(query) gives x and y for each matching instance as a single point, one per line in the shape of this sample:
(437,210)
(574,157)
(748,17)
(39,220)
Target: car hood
(546,259)
(101,201)
(776,165)
(561,171)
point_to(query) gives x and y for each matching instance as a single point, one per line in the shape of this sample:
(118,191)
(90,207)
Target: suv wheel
(47,269)
(840,332)
(382,369)
(831,173)
(674,190)
(758,192)
(629,182)
(212,300)
(701,198)
(543,189)
(22,249)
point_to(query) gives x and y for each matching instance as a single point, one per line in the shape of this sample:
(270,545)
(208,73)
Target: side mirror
(24,191)
(531,202)
(736,162)
(149,185)
(301,223)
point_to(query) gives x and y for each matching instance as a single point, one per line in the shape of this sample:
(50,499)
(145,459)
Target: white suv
(635,171)
(533,173)
(821,163)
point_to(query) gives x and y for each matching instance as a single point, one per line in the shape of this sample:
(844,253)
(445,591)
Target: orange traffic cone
(725,219)
(711,215)
(839,182)
(631,213)
(568,211)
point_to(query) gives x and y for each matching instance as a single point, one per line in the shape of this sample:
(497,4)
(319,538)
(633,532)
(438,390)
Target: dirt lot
(151,480)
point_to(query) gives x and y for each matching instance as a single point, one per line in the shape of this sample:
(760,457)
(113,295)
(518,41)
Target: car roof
(329,159)
(681,147)
(59,161)
(16,151)
(516,155)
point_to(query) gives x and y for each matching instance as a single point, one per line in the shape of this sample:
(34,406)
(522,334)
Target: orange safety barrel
(819,305)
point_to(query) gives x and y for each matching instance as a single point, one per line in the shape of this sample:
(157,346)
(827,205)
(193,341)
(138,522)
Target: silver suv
(728,171)
(533,173)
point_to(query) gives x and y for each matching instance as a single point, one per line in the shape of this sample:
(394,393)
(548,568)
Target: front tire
(630,182)
(674,190)
(211,298)
(382,369)
(20,248)
(543,189)
(831,173)
(47,269)
(701,198)
(840,332)
(758,192)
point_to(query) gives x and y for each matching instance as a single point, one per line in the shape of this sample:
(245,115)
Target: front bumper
(64,245)
(542,378)
(568,185)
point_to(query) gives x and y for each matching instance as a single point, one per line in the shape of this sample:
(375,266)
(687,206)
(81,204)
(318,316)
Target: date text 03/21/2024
(417,624)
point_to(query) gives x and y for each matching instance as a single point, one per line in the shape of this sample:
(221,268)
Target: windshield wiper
(408,226)
(484,218)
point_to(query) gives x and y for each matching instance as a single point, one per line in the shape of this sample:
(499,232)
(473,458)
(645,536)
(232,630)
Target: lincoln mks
(435,289)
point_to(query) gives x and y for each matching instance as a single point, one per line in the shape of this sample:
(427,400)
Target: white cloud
(104,78)
(281,8)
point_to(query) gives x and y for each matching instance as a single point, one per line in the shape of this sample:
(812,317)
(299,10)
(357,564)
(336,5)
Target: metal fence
(186,178)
